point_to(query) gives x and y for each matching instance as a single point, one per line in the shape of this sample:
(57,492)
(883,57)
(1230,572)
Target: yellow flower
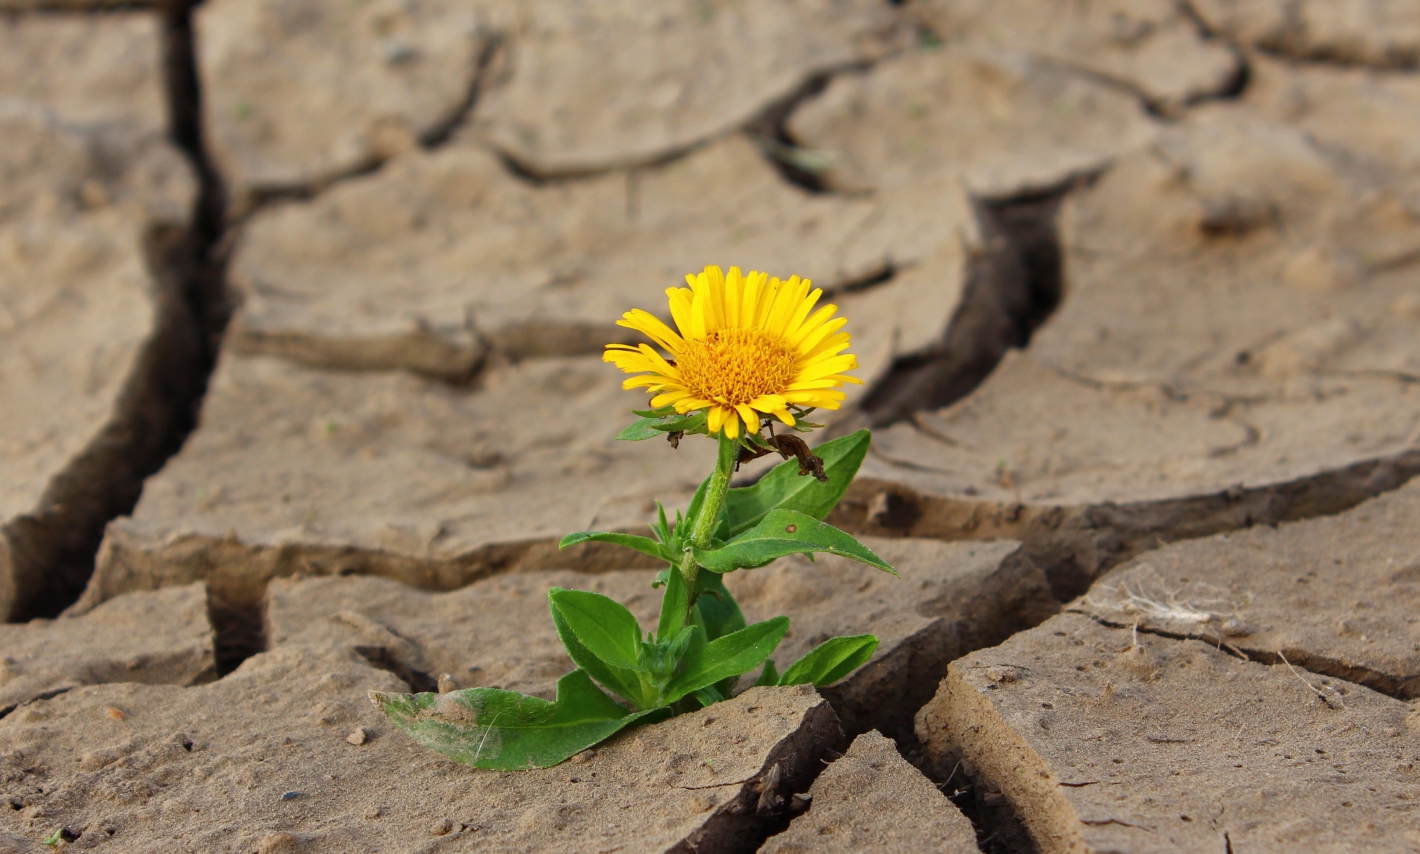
(747,347)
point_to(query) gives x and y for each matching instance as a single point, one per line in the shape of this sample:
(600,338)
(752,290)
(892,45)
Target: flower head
(746,347)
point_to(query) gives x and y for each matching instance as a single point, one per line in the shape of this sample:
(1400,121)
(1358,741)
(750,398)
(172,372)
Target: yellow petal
(734,284)
(802,311)
(807,385)
(808,326)
(715,308)
(732,424)
(767,295)
(751,418)
(715,419)
(812,340)
(830,346)
(646,380)
(844,378)
(784,304)
(699,323)
(813,398)
(669,397)
(680,308)
(661,365)
(652,327)
(837,364)
(783,415)
(768,402)
(753,295)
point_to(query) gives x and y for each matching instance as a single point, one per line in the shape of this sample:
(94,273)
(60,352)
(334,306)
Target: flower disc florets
(746,346)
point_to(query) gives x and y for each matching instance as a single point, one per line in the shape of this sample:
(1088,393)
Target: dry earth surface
(1135,290)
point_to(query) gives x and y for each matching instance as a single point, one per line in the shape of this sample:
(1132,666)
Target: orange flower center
(736,366)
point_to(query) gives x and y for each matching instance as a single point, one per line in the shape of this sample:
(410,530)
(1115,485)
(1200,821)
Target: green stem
(709,517)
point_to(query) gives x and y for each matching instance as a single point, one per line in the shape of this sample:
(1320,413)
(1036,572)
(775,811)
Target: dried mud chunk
(1366,123)
(952,598)
(237,746)
(1336,595)
(1385,34)
(1196,751)
(1225,356)
(492,633)
(1152,48)
(440,257)
(99,69)
(296,95)
(871,799)
(93,350)
(161,637)
(303,471)
(594,85)
(1003,124)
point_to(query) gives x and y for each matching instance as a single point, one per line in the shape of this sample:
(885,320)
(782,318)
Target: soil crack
(54,549)
(485,65)
(1012,286)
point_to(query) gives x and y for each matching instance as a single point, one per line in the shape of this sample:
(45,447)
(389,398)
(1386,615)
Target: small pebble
(116,714)
(358,736)
(442,827)
(290,796)
(447,683)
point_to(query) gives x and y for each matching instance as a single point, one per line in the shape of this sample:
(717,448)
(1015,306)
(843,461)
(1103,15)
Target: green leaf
(662,529)
(604,639)
(719,612)
(785,532)
(507,731)
(645,545)
(768,676)
(601,623)
(708,696)
(675,604)
(658,412)
(830,661)
(651,427)
(692,510)
(783,488)
(728,656)
(640,430)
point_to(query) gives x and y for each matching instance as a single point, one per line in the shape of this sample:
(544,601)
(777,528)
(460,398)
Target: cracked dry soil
(1134,287)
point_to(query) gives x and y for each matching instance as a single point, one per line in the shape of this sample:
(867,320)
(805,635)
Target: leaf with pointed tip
(830,661)
(674,606)
(785,532)
(783,488)
(650,428)
(708,696)
(769,676)
(604,639)
(645,545)
(728,656)
(662,528)
(507,731)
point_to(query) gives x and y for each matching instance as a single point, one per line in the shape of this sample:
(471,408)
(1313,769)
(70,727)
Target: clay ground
(301,308)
